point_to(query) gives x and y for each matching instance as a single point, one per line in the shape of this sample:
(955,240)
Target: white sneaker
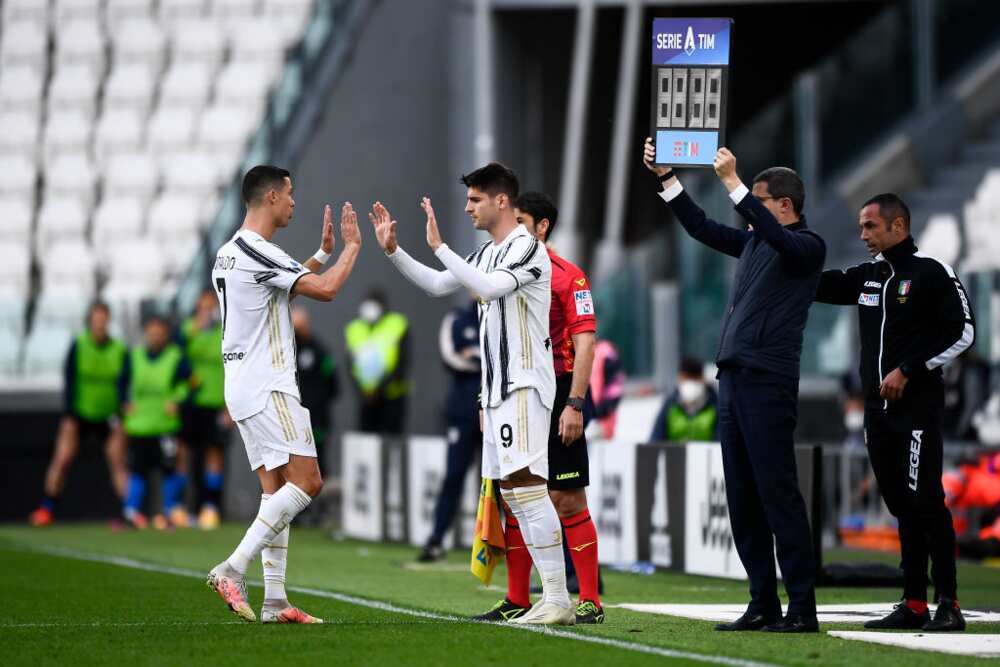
(547,613)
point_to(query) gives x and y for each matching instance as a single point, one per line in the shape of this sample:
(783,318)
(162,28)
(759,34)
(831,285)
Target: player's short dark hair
(539,206)
(890,206)
(260,179)
(98,305)
(155,318)
(493,179)
(692,366)
(784,182)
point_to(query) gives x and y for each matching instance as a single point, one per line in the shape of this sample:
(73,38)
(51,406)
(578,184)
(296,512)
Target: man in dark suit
(760,344)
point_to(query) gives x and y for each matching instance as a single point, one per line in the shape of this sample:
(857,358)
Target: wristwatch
(575,402)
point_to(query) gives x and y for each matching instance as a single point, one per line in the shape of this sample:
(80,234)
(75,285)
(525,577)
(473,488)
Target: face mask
(854,420)
(370,311)
(690,391)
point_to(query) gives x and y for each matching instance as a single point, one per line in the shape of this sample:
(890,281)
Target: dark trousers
(757,417)
(465,441)
(382,416)
(906,450)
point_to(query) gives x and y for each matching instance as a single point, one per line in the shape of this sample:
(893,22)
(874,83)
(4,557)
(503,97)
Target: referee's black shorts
(569,465)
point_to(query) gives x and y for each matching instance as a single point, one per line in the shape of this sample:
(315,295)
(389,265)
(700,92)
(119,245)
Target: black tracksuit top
(774,285)
(913,314)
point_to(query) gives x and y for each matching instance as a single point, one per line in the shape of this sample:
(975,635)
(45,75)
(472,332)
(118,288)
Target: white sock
(274,557)
(537,516)
(275,514)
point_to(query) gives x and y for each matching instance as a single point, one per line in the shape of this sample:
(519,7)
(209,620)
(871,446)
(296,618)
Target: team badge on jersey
(904,287)
(584,302)
(868,299)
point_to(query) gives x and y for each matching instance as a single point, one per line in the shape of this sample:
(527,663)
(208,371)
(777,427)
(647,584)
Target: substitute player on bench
(511,274)
(572,327)
(255,280)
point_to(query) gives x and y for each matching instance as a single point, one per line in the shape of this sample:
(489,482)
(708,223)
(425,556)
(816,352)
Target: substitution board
(690,89)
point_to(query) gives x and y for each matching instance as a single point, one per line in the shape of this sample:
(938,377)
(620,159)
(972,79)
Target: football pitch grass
(82,595)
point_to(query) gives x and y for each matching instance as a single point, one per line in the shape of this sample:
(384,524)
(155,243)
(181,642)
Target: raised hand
(649,155)
(349,225)
(385,227)
(725,168)
(327,240)
(433,233)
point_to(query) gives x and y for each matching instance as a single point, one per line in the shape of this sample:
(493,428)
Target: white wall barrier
(661,503)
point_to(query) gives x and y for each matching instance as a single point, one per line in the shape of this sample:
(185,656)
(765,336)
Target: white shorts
(281,428)
(516,436)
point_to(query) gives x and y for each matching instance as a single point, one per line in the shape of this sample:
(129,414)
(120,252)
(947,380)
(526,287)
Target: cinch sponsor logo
(915,458)
(873,283)
(232,356)
(868,299)
(685,149)
(568,475)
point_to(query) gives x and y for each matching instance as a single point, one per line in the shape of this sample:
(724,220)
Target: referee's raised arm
(725,239)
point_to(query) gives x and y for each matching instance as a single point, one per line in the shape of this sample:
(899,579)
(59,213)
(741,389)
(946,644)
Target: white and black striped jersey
(514,328)
(253,279)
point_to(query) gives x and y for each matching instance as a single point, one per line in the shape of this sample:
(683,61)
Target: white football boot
(547,613)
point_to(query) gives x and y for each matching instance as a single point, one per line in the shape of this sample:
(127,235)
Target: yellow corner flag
(488,545)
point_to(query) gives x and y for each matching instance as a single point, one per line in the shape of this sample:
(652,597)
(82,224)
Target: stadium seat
(140,41)
(58,310)
(234,9)
(131,175)
(193,173)
(118,131)
(74,86)
(15,269)
(10,356)
(20,135)
(118,11)
(24,43)
(179,254)
(69,269)
(21,89)
(186,85)
(72,175)
(130,87)
(136,271)
(45,351)
(174,213)
(226,127)
(116,220)
(171,130)
(66,131)
(244,84)
(173,12)
(59,219)
(67,11)
(13,309)
(291,16)
(988,192)
(942,238)
(81,44)
(16,11)
(18,218)
(198,41)
(256,40)
(18,183)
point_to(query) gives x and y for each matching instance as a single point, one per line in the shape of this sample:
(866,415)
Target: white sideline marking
(385,606)
(983,646)
(826,613)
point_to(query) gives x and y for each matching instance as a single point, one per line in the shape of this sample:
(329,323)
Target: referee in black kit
(914,317)
(759,348)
